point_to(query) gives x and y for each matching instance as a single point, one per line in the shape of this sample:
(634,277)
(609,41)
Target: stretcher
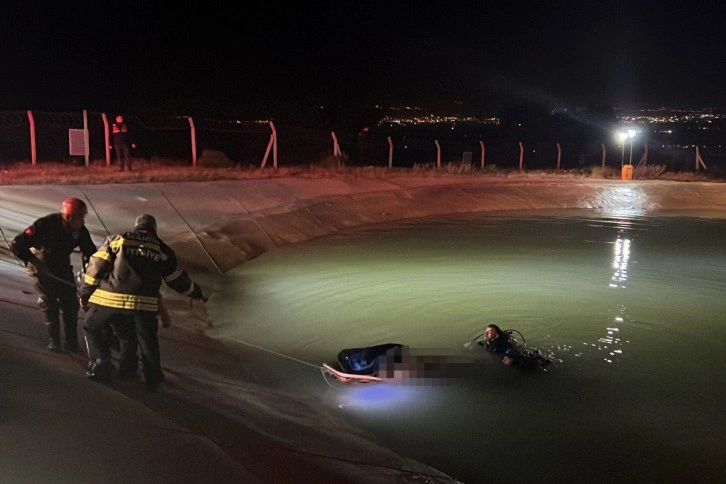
(333,369)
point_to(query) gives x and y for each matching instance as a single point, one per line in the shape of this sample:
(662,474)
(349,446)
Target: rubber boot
(71,329)
(53,336)
(100,370)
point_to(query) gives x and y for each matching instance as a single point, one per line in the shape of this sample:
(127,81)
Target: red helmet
(73,206)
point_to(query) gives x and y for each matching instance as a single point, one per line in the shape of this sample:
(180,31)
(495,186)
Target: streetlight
(622,136)
(631,135)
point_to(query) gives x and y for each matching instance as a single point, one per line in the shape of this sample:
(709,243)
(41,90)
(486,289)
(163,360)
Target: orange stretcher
(333,368)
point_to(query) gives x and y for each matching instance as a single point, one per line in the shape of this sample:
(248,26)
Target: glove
(40,267)
(79,278)
(83,301)
(197,292)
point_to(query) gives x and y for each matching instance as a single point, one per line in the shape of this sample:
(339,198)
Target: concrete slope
(218,419)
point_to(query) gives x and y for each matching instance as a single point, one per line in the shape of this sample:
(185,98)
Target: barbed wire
(13,119)
(19,119)
(232,126)
(59,120)
(161,135)
(162,123)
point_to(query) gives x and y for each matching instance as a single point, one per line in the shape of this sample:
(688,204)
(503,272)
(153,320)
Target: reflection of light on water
(624,201)
(379,397)
(611,342)
(621,257)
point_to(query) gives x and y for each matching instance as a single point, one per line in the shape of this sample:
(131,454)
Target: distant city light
(433,119)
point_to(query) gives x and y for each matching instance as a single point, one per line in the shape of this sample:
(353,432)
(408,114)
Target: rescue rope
(273,352)
(52,276)
(94,211)
(274,244)
(192,230)
(11,250)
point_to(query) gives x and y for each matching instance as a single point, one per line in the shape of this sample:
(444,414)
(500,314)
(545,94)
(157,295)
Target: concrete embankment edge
(221,224)
(290,211)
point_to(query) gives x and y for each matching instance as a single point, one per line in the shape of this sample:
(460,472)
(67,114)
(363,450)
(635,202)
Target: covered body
(365,361)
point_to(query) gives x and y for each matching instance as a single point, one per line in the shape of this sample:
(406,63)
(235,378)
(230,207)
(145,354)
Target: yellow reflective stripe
(102,255)
(174,275)
(91,281)
(124,301)
(117,243)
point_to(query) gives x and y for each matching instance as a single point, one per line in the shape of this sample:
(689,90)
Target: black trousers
(56,297)
(123,155)
(130,327)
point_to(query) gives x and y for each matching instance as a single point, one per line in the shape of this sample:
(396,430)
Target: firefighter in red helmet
(45,247)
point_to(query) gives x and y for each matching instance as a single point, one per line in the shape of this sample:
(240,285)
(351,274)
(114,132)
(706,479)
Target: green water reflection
(631,311)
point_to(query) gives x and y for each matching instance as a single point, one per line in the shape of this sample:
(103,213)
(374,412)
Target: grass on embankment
(155,171)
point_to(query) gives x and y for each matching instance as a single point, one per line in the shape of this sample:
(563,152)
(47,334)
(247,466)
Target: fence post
(483,152)
(521,156)
(271,145)
(390,152)
(644,159)
(107,139)
(267,151)
(438,154)
(86,147)
(603,157)
(698,156)
(33,151)
(559,156)
(193,134)
(274,145)
(336,146)
(699,160)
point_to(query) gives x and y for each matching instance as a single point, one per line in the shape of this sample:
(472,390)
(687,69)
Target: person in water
(528,360)
(495,339)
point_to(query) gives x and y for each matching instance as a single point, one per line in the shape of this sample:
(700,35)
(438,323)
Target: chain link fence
(168,139)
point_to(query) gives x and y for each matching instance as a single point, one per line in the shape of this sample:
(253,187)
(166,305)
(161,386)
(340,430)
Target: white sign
(76,142)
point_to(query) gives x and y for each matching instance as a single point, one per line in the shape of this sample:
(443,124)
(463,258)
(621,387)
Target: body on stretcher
(360,365)
(333,368)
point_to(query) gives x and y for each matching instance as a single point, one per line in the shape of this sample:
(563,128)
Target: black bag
(364,361)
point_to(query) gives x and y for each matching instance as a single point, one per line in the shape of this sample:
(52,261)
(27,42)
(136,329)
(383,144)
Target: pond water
(630,311)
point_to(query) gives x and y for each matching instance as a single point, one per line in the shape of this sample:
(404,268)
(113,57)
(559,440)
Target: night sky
(264,57)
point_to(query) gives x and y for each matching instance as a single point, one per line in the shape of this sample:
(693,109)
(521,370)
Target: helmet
(73,206)
(119,119)
(145,222)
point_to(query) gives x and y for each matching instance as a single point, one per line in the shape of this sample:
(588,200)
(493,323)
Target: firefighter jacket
(127,270)
(51,240)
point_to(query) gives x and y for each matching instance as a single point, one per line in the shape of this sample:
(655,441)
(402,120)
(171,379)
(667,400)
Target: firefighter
(121,292)
(122,143)
(45,247)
